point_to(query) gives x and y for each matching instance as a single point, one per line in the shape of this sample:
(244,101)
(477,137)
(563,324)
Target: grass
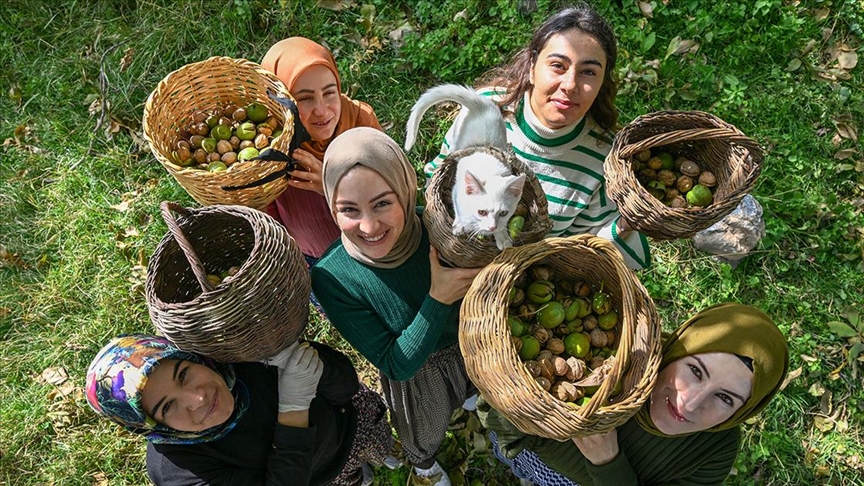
(72,256)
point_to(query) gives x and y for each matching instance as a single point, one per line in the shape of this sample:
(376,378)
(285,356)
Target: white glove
(298,382)
(278,360)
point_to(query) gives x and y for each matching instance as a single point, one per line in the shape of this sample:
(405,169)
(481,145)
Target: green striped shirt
(569,165)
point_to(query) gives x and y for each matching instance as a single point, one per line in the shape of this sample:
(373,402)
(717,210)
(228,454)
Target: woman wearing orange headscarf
(309,72)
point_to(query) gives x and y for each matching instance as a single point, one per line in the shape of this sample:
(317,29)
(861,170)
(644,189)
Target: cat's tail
(463,95)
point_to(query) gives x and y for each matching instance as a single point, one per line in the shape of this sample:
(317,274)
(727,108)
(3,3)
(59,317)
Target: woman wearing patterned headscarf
(719,368)
(309,72)
(300,418)
(382,287)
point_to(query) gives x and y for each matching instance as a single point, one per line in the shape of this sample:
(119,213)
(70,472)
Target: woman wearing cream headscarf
(309,72)
(382,287)
(719,368)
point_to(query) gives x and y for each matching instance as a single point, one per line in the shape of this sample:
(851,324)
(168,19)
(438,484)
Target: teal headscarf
(119,372)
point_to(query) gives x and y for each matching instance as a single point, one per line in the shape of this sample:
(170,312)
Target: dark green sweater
(386,314)
(702,458)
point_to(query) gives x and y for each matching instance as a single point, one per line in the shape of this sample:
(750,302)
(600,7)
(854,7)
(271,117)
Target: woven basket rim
(234,321)
(464,251)
(484,340)
(651,216)
(162,104)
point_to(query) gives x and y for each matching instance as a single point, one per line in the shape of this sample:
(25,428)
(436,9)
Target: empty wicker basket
(466,251)
(735,160)
(251,315)
(494,366)
(206,85)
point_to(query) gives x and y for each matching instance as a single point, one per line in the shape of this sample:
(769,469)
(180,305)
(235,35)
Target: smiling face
(698,392)
(566,78)
(187,396)
(318,102)
(368,211)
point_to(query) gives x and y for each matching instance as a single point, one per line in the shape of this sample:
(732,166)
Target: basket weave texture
(495,368)
(715,145)
(206,85)
(463,250)
(252,315)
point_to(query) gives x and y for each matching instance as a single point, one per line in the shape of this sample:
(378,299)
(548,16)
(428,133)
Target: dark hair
(748,362)
(516,75)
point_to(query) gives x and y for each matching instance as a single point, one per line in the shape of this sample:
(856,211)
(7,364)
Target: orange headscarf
(289,58)
(305,213)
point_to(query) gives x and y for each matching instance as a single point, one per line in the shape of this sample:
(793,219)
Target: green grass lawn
(79,213)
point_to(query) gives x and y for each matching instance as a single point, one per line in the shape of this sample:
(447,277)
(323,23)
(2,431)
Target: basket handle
(197,268)
(685,135)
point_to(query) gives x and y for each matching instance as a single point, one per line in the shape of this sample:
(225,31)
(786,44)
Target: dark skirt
(373,440)
(420,407)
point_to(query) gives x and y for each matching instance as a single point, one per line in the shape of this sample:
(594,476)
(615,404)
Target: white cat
(485,192)
(478,123)
(485,195)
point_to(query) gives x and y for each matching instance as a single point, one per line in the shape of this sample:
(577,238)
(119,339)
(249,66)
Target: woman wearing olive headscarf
(300,418)
(382,287)
(309,72)
(719,368)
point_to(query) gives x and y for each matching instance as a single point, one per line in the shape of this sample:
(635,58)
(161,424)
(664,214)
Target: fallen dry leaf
(12,259)
(678,46)
(62,391)
(54,376)
(60,418)
(128,54)
(845,154)
(122,207)
(822,14)
(335,5)
(96,107)
(100,479)
(847,131)
(825,404)
(824,424)
(791,376)
(646,9)
(841,426)
(847,60)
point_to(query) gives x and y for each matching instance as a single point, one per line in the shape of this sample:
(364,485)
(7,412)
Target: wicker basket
(256,313)
(735,160)
(465,251)
(494,366)
(210,84)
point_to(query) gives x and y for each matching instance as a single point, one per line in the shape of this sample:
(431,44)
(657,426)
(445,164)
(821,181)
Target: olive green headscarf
(375,150)
(737,329)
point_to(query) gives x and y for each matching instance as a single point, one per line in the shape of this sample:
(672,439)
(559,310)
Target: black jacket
(260,451)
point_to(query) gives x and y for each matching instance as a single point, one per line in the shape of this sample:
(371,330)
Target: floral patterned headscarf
(119,372)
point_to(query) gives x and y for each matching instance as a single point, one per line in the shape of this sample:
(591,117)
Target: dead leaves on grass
(62,396)
(24,139)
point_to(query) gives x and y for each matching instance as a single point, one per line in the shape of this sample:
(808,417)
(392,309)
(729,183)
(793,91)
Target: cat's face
(490,201)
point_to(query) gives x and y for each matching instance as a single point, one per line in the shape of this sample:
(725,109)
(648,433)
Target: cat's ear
(472,184)
(514,187)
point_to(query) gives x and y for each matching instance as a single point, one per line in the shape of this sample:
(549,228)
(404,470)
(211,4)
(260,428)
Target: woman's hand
(298,381)
(623,227)
(600,448)
(309,179)
(449,284)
